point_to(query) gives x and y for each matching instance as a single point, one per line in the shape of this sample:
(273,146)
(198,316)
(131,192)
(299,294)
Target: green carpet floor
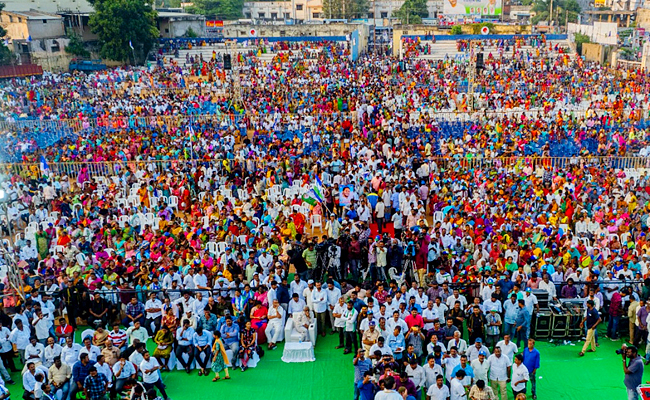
(563,375)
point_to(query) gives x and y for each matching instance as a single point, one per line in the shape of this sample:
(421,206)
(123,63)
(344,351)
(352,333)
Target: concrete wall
(20,27)
(593,52)
(643,18)
(178,28)
(242,30)
(599,32)
(277,10)
(46,28)
(402,30)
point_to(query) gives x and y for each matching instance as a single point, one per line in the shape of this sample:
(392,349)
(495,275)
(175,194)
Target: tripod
(322,264)
(409,270)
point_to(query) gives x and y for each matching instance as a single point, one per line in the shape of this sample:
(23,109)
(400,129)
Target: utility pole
(551,14)
(234,75)
(471,74)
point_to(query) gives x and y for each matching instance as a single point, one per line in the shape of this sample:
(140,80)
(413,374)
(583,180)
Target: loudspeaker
(227,62)
(479,61)
(559,323)
(542,325)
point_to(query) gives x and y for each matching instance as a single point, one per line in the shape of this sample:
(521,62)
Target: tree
(412,11)
(121,24)
(333,9)
(6,55)
(476,28)
(76,45)
(456,30)
(218,9)
(579,39)
(345,9)
(563,11)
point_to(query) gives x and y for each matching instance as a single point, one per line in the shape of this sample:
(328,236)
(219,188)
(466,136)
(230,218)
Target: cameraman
(633,371)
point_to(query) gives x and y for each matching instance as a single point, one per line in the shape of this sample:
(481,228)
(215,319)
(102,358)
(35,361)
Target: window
(283,33)
(287,16)
(316,15)
(274,15)
(384,15)
(260,15)
(11,19)
(45,21)
(55,47)
(248,16)
(166,30)
(299,7)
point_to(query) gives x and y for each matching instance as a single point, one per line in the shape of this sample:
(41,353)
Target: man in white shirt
(319,301)
(333,295)
(42,323)
(150,374)
(457,390)
(70,352)
(153,310)
(499,371)
(416,374)
(90,349)
(480,367)
(519,376)
(275,328)
(20,337)
(508,348)
(429,315)
(298,286)
(296,305)
(34,352)
(450,363)
(439,390)
(431,372)
(339,322)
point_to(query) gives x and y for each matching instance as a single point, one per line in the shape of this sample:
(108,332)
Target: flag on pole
(45,169)
(309,200)
(131,45)
(318,189)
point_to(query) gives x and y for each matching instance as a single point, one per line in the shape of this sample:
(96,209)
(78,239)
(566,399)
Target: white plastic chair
(316,221)
(438,216)
(173,202)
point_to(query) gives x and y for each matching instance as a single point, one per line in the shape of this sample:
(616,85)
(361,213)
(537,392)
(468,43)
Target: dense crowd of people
(339,197)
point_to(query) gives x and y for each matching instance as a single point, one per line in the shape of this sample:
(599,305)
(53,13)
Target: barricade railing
(117,168)
(213,116)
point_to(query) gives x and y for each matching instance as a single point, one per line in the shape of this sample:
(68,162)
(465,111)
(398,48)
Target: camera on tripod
(410,250)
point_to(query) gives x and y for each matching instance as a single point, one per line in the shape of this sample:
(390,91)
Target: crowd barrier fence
(199,116)
(117,168)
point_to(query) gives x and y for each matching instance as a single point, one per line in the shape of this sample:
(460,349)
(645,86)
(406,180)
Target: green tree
(412,12)
(218,9)
(120,24)
(476,28)
(456,30)
(76,45)
(6,55)
(563,11)
(333,9)
(579,40)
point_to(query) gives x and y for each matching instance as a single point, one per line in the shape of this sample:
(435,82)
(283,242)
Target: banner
(213,24)
(346,195)
(472,7)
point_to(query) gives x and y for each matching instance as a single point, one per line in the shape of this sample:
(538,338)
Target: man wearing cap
(306,294)
(370,336)
(474,351)
(361,365)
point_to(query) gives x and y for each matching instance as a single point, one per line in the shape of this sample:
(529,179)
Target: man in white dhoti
(301,323)
(275,327)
